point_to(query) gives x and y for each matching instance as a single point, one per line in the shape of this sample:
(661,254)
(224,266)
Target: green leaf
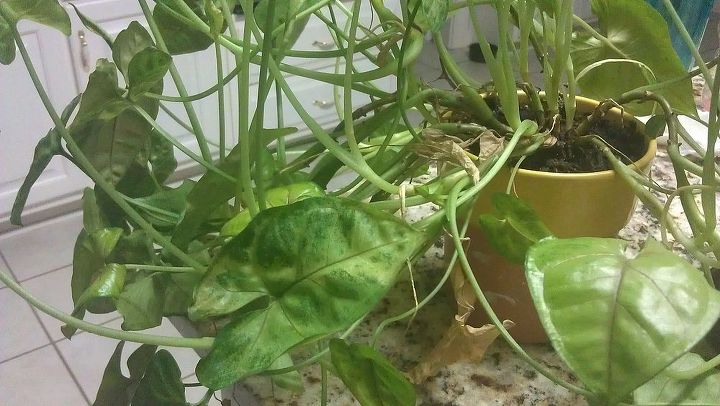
(435,13)
(128,43)
(153,379)
(141,304)
(280,196)
(322,263)
(514,229)
(638,32)
(162,384)
(135,247)
(284,13)
(146,69)
(139,361)
(92,26)
(108,133)
(7,43)
(45,12)
(164,208)
(161,157)
(104,289)
(655,126)
(666,390)
(210,192)
(46,149)
(179,290)
(291,381)
(113,389)
(104,241)
(181,37)
(370,377)
(618,320)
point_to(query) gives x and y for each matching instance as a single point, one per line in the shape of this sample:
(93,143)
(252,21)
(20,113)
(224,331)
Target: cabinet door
(23,121)
(198,71)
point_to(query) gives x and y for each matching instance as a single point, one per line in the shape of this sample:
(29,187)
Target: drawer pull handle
(84,59)
(323,104)
(323,44)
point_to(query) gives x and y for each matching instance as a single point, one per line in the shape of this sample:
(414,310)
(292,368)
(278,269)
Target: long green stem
(347,85)
(697,371)
(87,166)
(207,164)
(221,99)
(196,343)
(685,35)
(242,60)
(265,82)
(162,268)
(453,203)
(448,271)
(179,84)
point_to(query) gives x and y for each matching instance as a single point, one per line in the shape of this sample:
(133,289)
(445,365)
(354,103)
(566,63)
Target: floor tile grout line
(62,358)
(16,356)
(45,273)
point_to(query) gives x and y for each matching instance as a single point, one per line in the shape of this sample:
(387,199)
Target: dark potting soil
(569,153)
(573,155)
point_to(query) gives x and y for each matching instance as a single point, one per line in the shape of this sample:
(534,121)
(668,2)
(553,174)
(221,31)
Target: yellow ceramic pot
(596,204)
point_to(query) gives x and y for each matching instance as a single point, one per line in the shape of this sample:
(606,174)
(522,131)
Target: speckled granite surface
(500,379)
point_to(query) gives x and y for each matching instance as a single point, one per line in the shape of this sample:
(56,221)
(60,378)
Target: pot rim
(641,163)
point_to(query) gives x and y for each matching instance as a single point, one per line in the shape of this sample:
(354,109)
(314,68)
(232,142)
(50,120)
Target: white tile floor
(38,366)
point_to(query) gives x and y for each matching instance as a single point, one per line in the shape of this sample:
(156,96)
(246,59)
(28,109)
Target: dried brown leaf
(461,342)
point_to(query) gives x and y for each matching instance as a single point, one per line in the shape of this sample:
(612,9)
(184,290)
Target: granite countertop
(501,378)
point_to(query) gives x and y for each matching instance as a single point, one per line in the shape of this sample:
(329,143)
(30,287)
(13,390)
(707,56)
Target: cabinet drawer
(318,98)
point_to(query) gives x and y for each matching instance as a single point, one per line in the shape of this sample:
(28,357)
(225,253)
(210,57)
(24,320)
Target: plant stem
(162,268)
(685,35)
(179,145)
(427,299)
(323,385)
(87,166)
(196,343)
(347,85)
(453,203)
(221,98)
(697,371)
(177,79)
(175,118)
(259,119)
(242,60)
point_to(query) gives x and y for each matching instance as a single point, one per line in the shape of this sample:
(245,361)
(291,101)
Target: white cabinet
(198,70)
(23,121)
(65,63)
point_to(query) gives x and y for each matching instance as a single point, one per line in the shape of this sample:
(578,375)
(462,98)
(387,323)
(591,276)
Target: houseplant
(312,266)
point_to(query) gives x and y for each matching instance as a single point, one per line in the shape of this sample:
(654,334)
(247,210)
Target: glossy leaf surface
(280,196)
(371,378)
(321,262)
(618,320)
(515,227)
(106,287)
(638,32)
(666,390)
